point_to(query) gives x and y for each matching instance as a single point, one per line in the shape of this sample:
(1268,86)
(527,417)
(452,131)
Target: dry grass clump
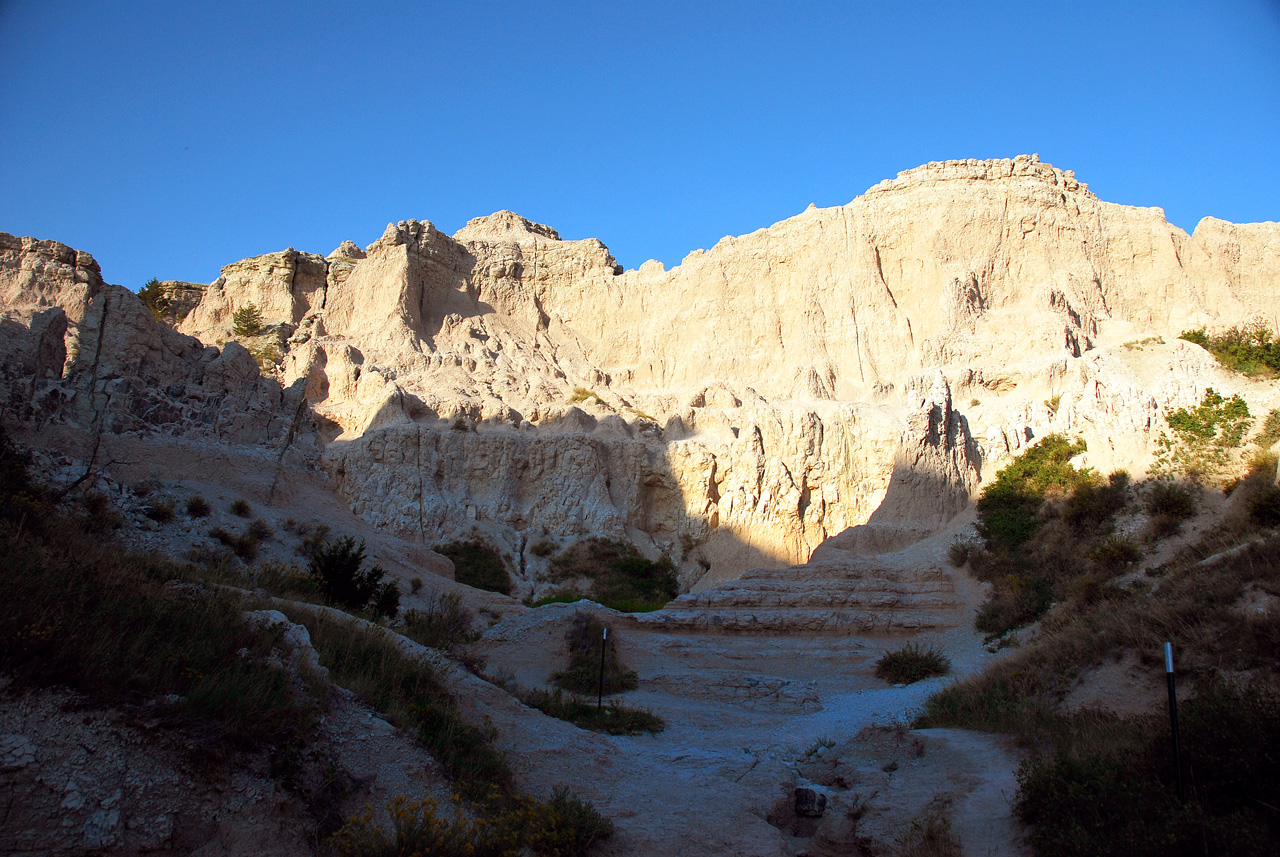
(443,624)
(565,826)
(198,507)
(929,836)
(912,663)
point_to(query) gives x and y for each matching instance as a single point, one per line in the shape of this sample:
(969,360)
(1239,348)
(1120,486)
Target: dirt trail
(749,719)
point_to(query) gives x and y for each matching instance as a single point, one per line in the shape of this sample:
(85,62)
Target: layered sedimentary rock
(862,366)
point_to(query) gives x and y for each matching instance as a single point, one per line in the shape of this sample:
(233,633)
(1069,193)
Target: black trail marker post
(1173,716)
(604,642)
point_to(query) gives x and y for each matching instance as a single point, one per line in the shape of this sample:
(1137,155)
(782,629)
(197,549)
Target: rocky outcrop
(78,351)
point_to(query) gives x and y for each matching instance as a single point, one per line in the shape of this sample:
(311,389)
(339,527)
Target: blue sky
(169,139)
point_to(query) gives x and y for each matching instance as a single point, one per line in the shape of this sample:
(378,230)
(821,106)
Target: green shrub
(78,612)
(1251,350)
(247,321)
(198,507)
(477,564)
(1171,499)
(1121,799)
(1115,553)
(619,576)
(1045,528)
(1008,506)
(240,508)
(1207,438)
(153,296)
(582,394)
(585,638)
(912,663)
(958,553)
(339,573)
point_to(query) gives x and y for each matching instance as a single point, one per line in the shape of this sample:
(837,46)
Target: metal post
(604,642)
(1173,716)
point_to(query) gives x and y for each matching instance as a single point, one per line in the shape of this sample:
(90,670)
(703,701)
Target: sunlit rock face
(851,373)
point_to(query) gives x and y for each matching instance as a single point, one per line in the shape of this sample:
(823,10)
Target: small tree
(337,569)
(154,297)
(247,320)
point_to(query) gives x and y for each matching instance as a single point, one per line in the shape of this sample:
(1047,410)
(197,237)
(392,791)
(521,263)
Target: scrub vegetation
(615,575)
(1101,783)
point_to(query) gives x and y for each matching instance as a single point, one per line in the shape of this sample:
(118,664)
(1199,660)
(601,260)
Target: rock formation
(736,412)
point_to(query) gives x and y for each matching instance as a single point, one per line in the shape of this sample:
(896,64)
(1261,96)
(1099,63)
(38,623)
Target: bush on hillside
(339,572)
(618,576)
(1251,350)
(477,564)
(247,321)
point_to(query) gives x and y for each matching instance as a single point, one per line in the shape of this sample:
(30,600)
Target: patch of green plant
(912,663)
(585,639)
(582,394)
(1251,350)
(542,548)
(477,564)
(613,717)
(1207,438)
(1264,507)
(1194,607)
(1042,522)
(240,508)
(410,692)
(565,826)
(339,573)
(246,321)
(618,576)
(1114,553)
(1008,506)
(154,297)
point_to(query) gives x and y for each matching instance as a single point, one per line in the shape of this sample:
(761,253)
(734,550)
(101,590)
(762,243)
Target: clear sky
(171,138)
